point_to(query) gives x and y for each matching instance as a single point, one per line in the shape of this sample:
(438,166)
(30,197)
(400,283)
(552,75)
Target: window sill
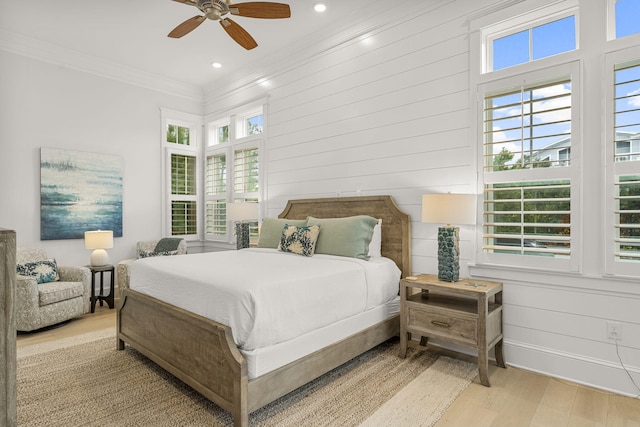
(555,279)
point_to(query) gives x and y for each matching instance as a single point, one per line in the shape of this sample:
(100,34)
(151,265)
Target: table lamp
(242,214)
(98,241)
(449,209)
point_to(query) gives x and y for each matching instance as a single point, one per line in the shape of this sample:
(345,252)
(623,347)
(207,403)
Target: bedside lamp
(242,214)
(98,241)
(449,209)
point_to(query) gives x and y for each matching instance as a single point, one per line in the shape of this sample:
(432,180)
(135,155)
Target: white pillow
(376,240)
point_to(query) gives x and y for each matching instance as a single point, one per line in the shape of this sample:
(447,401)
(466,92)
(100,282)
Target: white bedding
(266,296)
(264,360)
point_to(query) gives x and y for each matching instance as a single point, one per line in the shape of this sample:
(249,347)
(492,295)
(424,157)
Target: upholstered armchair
(47,294)
(147,248)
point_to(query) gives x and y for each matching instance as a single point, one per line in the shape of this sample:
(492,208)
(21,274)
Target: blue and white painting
(79,192)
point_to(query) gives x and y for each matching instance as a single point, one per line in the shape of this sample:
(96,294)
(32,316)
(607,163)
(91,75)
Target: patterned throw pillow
(43,271)
(299,240)
(146,254)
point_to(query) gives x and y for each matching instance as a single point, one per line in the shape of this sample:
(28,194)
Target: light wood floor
(516,398)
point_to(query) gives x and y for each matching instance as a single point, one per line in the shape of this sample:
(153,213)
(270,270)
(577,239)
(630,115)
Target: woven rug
(85,381)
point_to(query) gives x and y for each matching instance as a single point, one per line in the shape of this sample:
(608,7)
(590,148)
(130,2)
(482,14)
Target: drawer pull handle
(443,324)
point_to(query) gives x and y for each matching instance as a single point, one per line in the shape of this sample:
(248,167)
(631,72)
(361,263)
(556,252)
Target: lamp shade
(242,211)
(449,208)
(100,239)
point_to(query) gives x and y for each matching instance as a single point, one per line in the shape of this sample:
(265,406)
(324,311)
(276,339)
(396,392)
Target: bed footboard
(198,351)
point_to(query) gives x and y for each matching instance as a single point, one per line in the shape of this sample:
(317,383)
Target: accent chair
(48,294)
(147,248)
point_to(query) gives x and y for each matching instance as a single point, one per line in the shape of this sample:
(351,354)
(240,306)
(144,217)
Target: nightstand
(467,313)
(101,269)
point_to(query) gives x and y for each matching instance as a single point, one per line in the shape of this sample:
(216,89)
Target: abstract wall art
(79,192)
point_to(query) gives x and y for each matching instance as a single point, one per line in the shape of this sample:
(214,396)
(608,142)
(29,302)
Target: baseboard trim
(591,372)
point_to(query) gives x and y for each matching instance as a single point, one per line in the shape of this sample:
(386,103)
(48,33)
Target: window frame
(535,76)
(615,169)
(612,24)
(194,123)
(526,21)
(237,141)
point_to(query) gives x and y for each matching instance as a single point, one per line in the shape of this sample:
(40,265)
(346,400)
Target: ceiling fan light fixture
(319,7)
(216,65)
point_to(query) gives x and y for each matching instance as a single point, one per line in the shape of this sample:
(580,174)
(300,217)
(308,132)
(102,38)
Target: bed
(204,354)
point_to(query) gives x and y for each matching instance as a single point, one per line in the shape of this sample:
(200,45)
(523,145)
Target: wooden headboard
(396,225)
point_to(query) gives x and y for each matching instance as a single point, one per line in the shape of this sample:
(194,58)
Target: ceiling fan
(216,10)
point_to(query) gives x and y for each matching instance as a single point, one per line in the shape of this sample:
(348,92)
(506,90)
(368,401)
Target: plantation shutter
(527,159)
(216,186)
(183,183)
(245,171)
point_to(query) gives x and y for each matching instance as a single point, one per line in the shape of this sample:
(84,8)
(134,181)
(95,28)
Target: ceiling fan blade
(186,27)
(261,9)
(238,33)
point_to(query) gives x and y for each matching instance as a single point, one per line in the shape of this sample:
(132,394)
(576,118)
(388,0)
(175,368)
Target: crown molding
(377,18)
(22,45)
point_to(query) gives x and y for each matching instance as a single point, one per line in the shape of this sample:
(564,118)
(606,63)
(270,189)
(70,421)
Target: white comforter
(264,295)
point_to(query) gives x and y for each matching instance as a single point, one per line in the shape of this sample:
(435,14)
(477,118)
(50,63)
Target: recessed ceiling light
(216,64)
(319,7)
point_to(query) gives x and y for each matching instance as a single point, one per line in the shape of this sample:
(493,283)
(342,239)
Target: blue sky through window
(627,13)
(554,37)
(535,43)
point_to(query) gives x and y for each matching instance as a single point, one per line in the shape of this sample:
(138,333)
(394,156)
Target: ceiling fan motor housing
(213,9)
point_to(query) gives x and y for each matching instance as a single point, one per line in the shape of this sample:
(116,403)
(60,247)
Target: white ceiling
(131,36)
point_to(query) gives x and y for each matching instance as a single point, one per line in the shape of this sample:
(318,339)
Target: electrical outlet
(614,331)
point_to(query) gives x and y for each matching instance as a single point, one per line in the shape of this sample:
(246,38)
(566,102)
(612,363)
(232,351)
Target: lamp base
(99,257)
(448,254)
(242,235)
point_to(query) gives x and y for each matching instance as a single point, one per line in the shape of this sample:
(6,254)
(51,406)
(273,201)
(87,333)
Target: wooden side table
(467,313)
(101,297)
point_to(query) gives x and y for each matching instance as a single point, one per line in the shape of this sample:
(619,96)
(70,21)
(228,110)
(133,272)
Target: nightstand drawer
(436,323)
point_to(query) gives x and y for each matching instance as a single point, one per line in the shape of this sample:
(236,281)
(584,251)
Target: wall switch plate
(614,331)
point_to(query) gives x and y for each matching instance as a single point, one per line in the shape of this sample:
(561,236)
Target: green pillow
(348,236)
(271,231)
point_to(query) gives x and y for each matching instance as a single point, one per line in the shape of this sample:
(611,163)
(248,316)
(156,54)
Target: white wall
(391,115)
(47,105)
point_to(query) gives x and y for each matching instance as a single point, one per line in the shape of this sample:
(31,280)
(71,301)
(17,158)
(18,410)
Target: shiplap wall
(385,113)
(390,114)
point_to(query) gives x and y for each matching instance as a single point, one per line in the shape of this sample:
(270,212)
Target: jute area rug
(85,381)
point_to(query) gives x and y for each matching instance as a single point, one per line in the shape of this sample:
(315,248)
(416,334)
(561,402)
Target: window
(534,43)
(626,14)
(250,123)
(181,159)
(627,112)
(627,219)
(525,128)
(216,193)
(528,218)
(233,169)
(530,35)
(183,196)
(178,134)
(245,171)
(623,231)
(528,176)
(219,132)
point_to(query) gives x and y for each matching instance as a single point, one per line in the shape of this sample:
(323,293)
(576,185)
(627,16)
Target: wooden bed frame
(202,353)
